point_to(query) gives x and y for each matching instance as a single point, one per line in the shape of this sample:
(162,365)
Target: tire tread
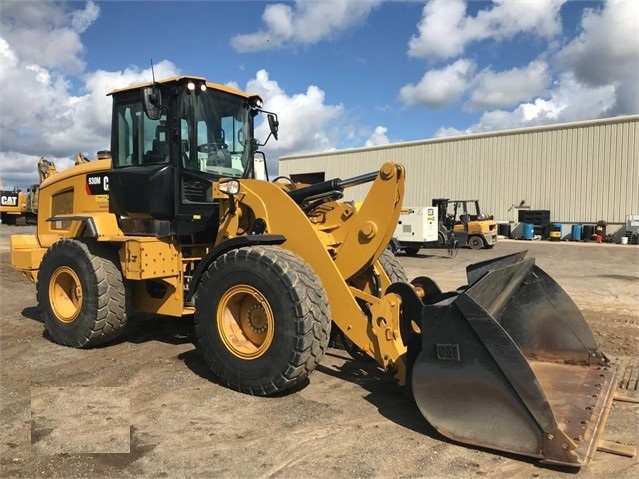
(312,314)
(111,315)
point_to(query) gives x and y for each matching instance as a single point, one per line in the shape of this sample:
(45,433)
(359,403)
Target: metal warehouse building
(581,172)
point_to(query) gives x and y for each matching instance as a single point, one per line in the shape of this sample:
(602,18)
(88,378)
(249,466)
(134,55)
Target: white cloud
(439,88)
(306,23)
(307,123)
(378,137)
(82,19)
(51,106)
(445,29)
(40,115)
(510,87)
(31,14)
(607,52)
(439,30)
(46,34)
(569,101)
(89,126)
(19,169)
(449,131)
(595,76)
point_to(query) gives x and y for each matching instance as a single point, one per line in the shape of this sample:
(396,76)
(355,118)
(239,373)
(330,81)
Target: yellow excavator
(17,207)
(14,207)
(173,221)
(21,208)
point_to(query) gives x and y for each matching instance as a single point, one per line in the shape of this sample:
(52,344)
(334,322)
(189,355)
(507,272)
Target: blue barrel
(576,232)
(529,231)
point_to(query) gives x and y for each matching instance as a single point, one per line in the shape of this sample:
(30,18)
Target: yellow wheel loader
(174,222)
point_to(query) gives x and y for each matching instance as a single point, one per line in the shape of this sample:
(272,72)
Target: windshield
(215,131)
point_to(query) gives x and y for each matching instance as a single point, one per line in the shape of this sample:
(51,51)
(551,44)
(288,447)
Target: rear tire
(475,242)
(411,251)
(262,320)
(81,293)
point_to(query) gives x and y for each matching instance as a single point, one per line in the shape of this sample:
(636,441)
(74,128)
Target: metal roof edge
(471,136)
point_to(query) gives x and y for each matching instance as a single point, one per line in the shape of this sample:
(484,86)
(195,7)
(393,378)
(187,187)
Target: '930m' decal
(97,184)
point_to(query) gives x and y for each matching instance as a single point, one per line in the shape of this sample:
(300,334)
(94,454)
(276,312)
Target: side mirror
(152,103)
(273,124)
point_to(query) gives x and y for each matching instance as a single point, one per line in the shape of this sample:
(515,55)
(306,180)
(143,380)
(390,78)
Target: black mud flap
(510,363)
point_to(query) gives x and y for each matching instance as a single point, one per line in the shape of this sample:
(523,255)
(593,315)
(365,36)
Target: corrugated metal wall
(582,172)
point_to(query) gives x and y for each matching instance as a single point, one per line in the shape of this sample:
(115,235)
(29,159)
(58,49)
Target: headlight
(256,101)
(192,86)
(231,187)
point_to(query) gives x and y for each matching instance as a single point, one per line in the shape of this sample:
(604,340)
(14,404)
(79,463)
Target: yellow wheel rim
(245,322)
(65,294)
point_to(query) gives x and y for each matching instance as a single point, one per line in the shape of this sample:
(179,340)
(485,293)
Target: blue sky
(340,74)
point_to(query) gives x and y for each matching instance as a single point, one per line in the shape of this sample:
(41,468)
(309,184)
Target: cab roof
(180,79)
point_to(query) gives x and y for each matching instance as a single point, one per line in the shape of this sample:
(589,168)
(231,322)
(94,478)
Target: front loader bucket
(510,363)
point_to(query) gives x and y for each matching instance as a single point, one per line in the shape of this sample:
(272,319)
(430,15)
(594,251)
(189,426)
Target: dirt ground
(146,406)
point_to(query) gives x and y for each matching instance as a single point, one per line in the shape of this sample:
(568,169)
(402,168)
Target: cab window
(140,140)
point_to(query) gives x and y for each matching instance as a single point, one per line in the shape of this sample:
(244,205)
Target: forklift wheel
(475,242)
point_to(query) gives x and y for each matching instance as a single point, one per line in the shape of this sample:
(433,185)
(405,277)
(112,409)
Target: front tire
(81,293)
(475,242)
(262,320)
(393,267)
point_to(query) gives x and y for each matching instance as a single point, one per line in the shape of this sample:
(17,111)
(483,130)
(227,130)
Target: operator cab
(170,141)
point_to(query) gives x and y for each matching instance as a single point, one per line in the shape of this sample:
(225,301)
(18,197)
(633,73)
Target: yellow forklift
(465,220)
